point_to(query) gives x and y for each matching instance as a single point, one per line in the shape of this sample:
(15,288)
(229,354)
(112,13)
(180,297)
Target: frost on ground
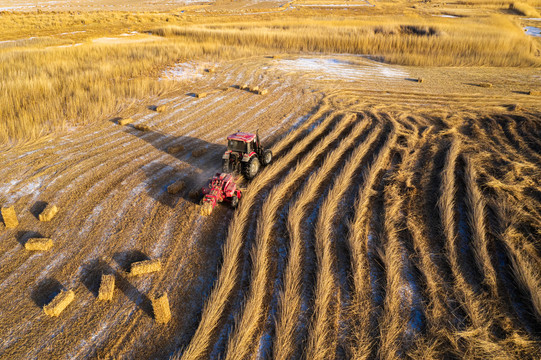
(183,71)
(338,69)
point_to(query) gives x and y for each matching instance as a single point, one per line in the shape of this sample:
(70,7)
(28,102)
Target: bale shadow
(124,259)
(133,294)
(45,291)
(23,236)
(91,274)
(38,208)
(412,80)
(520,92)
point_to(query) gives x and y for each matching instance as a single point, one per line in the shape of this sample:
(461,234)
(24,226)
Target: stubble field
(400,218)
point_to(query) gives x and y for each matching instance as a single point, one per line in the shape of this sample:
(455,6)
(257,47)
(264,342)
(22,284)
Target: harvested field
(397,220)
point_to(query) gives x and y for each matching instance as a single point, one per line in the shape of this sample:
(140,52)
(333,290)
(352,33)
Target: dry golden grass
(48,213)
(59,303)
(10,217)
(524,9)
(38,244)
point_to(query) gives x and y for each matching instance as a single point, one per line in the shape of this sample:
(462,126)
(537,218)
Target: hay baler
(221,187)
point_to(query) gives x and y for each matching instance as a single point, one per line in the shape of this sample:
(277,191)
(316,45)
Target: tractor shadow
(197,161)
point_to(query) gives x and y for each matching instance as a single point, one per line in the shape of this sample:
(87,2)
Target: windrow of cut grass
(323,336)
(289,322)
(241,341)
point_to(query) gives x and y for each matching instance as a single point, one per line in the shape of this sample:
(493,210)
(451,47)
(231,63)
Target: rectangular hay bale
(38,244)
(142,127)
(210,69)
(59,303)
(244,87)
(175,149)
(263,92)
(199,152)
(201,95)
(175,187)
(254,89)
(10,217)
(160,306)
(145,267)
(534,92)
(161,108)
(48,213)
(107,287)
(485,85)
(125,121)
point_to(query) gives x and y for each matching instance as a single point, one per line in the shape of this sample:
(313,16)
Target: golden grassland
(48,85)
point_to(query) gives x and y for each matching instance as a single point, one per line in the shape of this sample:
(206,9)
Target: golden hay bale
(206,209)
(125,121)
(175,187)
(107,287)
(534,92)
(48,213)
(142,127)
(244,87)
(420,80)
(254,89)
(161,108)
(210,69)
(201,95)
(263,92)
(160,306)
(10,217)
(514,107)
(59,303)
(175,149)
(145,267)
(485,85)
(38,244)
(199,152)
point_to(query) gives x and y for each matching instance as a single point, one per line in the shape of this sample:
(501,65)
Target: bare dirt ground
(110,181)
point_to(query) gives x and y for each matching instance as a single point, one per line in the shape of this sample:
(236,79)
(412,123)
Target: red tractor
(221,187)
(245,155)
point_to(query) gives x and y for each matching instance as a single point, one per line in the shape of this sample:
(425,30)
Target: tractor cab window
(235,145)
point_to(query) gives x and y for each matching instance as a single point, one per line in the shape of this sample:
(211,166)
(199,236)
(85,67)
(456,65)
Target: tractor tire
(225,166)
(267,157)
(251,168)
(234,201)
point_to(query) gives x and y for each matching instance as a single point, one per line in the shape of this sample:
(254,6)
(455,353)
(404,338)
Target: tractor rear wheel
(225,166)
(267,157)
(251,168)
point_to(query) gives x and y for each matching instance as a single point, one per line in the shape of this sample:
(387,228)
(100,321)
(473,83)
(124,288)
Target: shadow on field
(45,291)
(125,259)
(38,208)
(204,159)
(23,236)
(91,274)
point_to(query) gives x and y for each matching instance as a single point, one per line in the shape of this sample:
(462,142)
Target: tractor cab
(245,154)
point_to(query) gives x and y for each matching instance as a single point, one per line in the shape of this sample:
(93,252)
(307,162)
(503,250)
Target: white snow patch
(533,31)
(183,71)
(447,16)
(335,69)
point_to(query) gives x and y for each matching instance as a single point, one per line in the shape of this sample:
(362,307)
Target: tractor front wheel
(251,168)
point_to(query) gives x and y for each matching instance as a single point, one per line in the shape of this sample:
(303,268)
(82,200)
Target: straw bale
(38,244)
(199,152)
(125,121)
(244,87)
(175,149)
(420,80)
(107,287)
(59,303)
(48,213)
(485,84)
(161,108)
(10,217)
(142,127)
(145,267)
(176,187)
(534,92)
(201,95)
(210,69)
(514,107)
(160,305)
(263,92)
(254,89)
